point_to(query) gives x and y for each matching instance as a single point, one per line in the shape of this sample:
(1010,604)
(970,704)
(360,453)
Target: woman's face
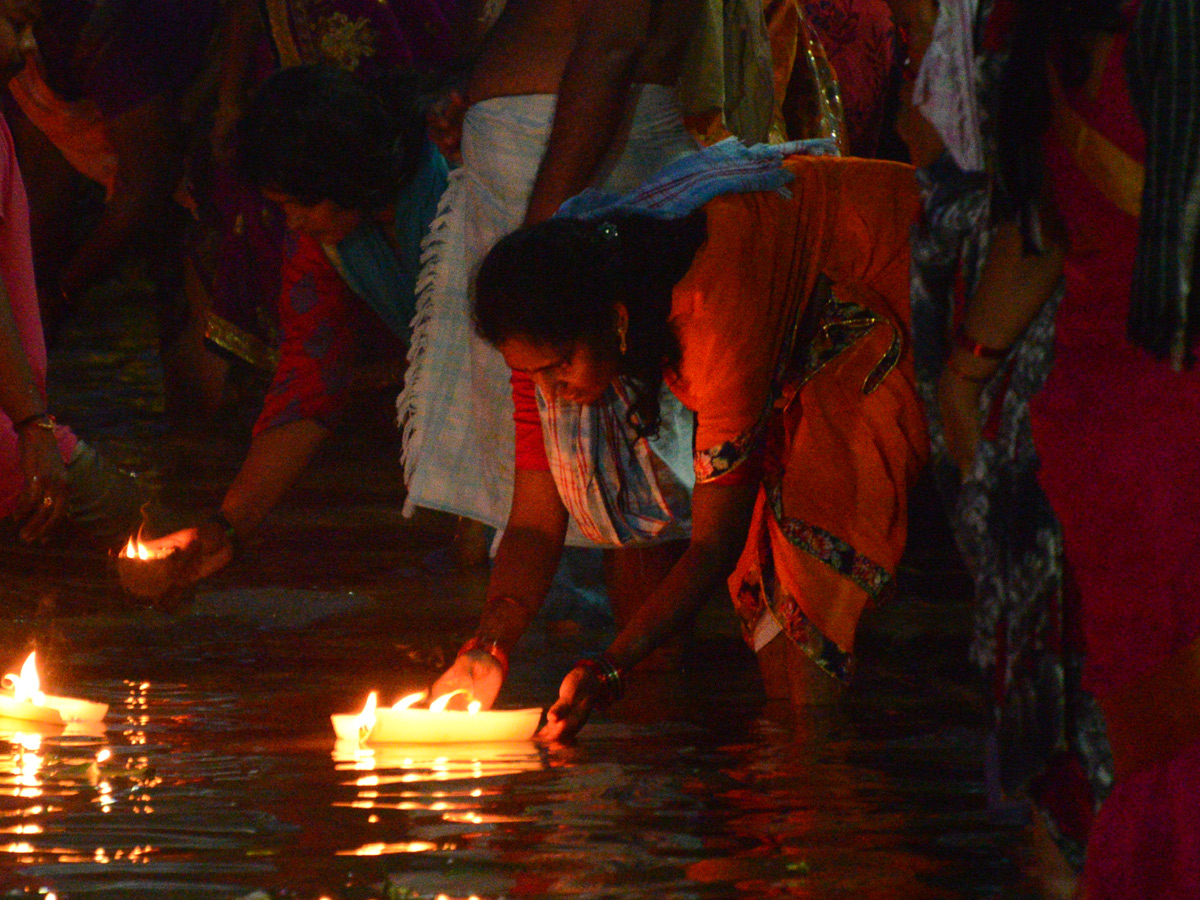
(324,221)
(574,373)
(17,18)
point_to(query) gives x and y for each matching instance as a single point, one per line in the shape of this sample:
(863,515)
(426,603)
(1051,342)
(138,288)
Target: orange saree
(796,359)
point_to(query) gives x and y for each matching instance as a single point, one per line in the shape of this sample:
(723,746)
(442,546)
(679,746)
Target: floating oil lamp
(21,698)
(148,569)
(403,723)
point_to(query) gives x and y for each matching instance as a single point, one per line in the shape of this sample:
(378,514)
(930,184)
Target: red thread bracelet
(981,351)
(958,370)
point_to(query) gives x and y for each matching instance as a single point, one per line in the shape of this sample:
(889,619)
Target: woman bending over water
(780,319)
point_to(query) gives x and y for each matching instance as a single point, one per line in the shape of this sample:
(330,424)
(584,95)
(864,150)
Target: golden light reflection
(477,818)
(403,763)
(406,777)
(26,828)
(41,763)
(138,699)
(380,849)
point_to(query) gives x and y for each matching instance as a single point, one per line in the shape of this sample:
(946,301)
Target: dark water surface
(217,774)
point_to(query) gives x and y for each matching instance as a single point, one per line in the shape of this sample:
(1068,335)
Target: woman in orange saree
(780,319)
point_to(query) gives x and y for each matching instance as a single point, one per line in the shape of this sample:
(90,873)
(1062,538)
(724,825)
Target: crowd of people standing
(700,285)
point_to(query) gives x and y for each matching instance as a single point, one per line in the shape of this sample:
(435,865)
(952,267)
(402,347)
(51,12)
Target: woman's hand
(43,501)
(188,555)
(958,402)
(580,692)
(477,672)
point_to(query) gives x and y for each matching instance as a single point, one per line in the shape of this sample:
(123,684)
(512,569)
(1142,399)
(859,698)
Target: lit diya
(21,698)
(403,723)
(149,569)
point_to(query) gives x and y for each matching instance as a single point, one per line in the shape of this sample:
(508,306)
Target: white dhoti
(456,408)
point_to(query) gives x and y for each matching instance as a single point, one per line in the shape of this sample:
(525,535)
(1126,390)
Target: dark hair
(558,282)
(1044,32)
(315,133)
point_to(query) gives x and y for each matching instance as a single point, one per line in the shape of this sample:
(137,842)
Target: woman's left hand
(578,695)
(958,402)
(43,501)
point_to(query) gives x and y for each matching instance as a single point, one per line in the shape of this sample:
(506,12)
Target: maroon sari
(1116,432)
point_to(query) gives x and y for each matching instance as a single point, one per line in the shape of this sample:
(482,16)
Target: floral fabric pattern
(829,549)
(1002,522)
(760,593)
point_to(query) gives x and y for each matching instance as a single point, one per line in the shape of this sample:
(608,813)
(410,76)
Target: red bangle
(965,342)
(958,370)
(491,647)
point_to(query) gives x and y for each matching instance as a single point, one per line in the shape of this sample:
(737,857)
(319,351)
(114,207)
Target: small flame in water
(27,685)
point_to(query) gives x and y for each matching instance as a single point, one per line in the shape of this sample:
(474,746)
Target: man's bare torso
(528,48)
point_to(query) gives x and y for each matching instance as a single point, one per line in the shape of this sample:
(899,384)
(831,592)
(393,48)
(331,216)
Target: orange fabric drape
(843,446)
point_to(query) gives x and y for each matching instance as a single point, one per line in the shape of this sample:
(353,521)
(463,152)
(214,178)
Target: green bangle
(612,684)
(218,518)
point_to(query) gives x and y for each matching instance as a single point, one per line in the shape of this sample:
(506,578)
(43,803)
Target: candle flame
(406,702)
(439,705)
(366,718)
(135,549)
(26,686)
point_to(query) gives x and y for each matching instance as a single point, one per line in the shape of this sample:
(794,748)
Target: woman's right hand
(43,499)
(476,672)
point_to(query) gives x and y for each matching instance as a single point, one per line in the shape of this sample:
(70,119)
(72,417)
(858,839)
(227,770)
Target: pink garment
(16,267)
(1116,431)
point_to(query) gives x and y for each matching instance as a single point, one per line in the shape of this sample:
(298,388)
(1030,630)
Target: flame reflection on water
(207,785)
(434,778)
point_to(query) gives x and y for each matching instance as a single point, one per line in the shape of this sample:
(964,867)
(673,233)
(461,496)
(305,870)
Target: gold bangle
(39,420)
